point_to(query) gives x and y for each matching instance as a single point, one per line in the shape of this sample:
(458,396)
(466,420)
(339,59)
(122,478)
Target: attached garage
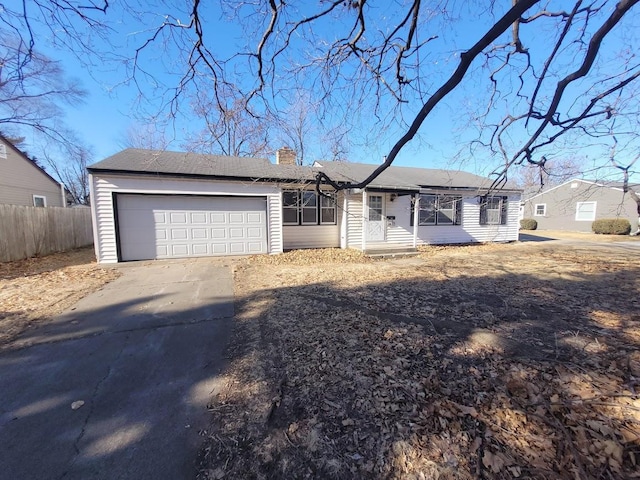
(176,226)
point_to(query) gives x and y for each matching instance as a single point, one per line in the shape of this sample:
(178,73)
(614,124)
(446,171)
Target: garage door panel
(236,218)
(180,250)
(198,233)
(168,226)
(178,217)
(199,218)
(218,233)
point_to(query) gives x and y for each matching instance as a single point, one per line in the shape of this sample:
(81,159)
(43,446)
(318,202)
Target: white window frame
(3,150)
(591,217)
(317,204)
(544,210)
(44,200)
(430,206)
(327,203)
(496,212)
(306,207)
(295,207)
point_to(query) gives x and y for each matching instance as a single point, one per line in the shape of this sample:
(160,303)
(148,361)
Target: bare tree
(145,136)
(72,172)
(231,127)
(32,92)
(540,74)
(547,173)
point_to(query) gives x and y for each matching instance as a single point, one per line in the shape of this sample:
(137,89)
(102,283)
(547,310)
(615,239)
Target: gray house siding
(20,180)
(557,208)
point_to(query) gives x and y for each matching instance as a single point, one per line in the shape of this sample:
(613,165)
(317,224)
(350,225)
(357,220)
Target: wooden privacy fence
(29,231)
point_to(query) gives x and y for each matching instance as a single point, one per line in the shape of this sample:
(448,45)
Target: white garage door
(174,226)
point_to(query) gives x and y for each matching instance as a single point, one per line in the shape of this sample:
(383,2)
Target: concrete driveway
(143,354)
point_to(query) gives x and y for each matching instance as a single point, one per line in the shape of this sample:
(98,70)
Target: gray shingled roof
(180,163)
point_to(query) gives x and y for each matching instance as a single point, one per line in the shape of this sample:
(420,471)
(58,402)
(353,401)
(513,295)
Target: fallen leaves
(38,288)
(454,366)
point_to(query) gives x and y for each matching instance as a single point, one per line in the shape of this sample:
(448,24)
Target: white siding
(274,228)
(311,236)
(314,236)
(401,232)
(105,185)
(354,221)
(471,231)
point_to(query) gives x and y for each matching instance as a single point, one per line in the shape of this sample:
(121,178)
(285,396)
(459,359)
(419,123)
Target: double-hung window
(306,207)
(439,210)
(541,209)
(290,207)
(328,209)
(309,206)
(493,210)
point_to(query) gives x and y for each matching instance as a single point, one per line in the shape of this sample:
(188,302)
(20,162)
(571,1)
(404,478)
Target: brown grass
(494,361)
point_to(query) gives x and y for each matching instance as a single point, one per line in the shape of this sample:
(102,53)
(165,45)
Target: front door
(376,221)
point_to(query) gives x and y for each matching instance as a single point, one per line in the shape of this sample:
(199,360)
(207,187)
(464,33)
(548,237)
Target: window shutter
(504,211)
(459,211)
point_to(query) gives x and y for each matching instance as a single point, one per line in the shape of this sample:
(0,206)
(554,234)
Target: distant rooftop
(194,164)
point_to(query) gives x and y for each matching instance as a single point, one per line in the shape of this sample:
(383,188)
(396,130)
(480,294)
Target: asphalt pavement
(117,387)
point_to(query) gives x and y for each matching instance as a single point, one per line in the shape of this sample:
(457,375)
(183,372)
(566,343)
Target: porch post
(365,216)
(344,222)
(416,218)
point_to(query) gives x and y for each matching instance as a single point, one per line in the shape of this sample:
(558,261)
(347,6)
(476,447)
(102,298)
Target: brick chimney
(285,156)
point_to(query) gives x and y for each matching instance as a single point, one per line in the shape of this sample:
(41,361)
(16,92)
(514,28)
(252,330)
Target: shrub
(528,224)
(611,226)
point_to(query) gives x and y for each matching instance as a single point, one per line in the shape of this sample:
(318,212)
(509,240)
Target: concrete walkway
(143,354)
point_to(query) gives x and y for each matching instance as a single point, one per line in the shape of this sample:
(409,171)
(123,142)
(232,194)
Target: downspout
(416,218)
(64,196)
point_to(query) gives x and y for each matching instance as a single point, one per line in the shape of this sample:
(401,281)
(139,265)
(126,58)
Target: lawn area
(489,361)
(38,288)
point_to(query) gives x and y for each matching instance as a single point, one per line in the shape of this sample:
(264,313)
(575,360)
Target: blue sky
(112,104)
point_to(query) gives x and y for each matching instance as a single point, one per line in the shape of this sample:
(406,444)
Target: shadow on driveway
(529,237)
(144,354)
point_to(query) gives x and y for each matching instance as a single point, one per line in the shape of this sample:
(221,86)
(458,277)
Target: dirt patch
(496,361)
(35,289)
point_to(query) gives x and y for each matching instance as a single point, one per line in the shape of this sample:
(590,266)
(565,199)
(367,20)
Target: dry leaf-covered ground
(38,288)
(489,361)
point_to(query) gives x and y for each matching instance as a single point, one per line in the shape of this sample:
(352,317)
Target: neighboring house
(574,205)
(22,182)
(155,204)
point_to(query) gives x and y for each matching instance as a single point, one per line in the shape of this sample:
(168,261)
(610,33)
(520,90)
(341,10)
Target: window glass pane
(309,215)
(375,208)
(427,210)
(493,217)
(446,217)
(328,201)
(38,201)
(446,210)
(328,215)
(290,215)
(290,198)
(309,199)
